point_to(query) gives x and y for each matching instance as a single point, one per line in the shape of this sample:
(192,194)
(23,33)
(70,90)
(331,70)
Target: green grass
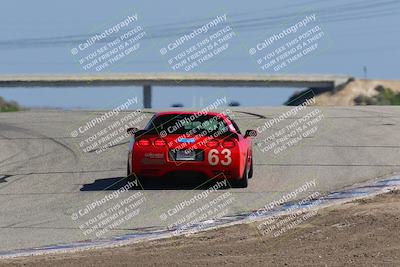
(8,106)
(385,97)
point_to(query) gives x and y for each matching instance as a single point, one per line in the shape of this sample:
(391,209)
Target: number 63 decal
(213,157)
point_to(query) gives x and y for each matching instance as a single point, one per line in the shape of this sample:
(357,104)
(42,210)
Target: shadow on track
(163,183)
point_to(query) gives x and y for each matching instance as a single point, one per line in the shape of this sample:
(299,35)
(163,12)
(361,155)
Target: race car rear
(206,146)
(214,158)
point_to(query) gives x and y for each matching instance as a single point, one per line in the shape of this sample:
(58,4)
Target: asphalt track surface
(45,177)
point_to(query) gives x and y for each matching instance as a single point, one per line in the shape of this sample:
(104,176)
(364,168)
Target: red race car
(189,144)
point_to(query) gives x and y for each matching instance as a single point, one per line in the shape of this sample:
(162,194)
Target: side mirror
(252,133)
(132,130)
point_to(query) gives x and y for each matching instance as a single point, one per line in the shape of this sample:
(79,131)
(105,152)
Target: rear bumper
(185,168)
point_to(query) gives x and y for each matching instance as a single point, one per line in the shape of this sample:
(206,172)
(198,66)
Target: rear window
(187,124)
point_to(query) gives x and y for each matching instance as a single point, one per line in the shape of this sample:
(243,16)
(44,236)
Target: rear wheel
(251,168)
(129,177)
(128,172)
(244,181)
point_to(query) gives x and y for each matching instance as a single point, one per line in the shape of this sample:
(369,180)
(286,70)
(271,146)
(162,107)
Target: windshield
(187,124)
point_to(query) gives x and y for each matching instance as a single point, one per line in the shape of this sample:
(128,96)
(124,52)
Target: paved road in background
(45,177)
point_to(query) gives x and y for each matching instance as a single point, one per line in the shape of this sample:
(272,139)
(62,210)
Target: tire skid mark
(42,137)
(37,134)
(260,116)
(29,147)
(12,156)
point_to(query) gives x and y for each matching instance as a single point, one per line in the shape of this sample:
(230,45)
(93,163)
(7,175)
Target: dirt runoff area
(360,233)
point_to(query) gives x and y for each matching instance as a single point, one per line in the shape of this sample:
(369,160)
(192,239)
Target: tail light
(212,143)
(160,142)
(144,142)
(228,143)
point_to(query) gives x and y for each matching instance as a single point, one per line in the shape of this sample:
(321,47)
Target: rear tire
(129,176)
(128,172)
(244,181)
(251,168)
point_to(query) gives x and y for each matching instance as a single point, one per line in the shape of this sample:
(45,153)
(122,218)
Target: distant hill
(354,92)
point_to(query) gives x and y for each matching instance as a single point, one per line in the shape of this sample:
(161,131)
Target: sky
(37,37)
